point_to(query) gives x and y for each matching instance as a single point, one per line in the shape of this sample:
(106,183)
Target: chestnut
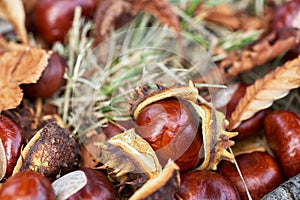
(203,184)
(111,129)
(50,80)
(11,135)
(282,130)
(52,19)
(260,171)
(248,127)
(27,185)
(97,187)
(173,131)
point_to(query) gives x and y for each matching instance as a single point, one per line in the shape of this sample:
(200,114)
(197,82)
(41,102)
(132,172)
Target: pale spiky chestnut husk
(216,139)
(129,158)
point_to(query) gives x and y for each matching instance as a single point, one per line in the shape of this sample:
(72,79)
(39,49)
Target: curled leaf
(265,91)
(14,11)
(19,64)
(109,11)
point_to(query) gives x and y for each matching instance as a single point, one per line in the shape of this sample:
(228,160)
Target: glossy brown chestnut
(248,127)
(98,187)
(205,185)
(27,185)
(282,129)
(11,135)
(173,132)
(51,79)
(110,130)
(261,172)
(52,19)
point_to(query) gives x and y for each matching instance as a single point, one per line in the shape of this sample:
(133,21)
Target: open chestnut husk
(202,184)
(27,185)
(282,130)
(11,137)
(51,152)
(175,124)
(261,173)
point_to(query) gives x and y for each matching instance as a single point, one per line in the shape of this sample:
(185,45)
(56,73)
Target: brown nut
(50,80)
(261,172)
(11,135)
(97,187)
(52,152)
(27,185)
(52,19)
(203,184)
(85,183)
(282,129)
(170,119)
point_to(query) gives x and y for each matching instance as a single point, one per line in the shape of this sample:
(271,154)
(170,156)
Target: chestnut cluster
(50,154)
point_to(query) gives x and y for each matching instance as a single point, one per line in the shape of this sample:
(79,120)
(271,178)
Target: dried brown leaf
(226,16)
(109,11)
(19,65)
(265,91)
(15,13)
(266,49)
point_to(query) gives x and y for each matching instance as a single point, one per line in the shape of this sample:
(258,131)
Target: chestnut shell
(51,152)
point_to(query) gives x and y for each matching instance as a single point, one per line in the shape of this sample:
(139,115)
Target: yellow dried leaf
(14,11)
(18,66)
(265,91)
